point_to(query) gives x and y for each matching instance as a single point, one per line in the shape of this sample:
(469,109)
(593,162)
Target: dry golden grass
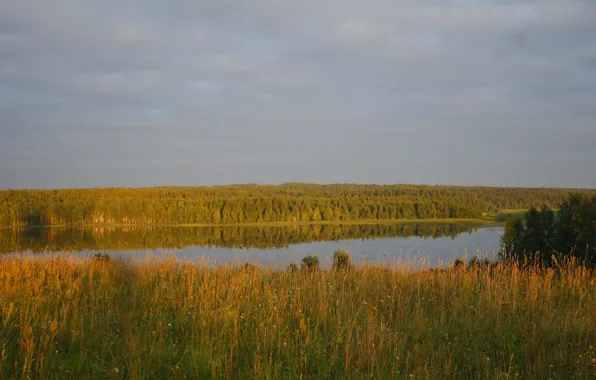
(69,317)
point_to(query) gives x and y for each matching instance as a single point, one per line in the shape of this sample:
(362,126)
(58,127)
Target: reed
(71,317)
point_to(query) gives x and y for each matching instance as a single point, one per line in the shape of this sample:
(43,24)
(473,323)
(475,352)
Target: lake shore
(493,219)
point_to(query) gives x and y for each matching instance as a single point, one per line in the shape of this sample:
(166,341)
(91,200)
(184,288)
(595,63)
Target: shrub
(476,262)
(102,257)
(310,263)
(341,260)
(458,263)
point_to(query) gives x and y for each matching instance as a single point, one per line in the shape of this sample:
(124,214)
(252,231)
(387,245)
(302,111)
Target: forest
(292,202)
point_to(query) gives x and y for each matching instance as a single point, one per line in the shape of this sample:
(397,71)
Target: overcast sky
(144,93)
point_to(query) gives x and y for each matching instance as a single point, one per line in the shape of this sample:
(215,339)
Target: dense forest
(295,202)
(135,238)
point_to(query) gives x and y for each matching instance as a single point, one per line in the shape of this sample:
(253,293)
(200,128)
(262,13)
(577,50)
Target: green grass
(69,317)
(505,215)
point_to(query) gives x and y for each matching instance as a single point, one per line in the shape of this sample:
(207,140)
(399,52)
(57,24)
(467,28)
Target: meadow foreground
(71,317)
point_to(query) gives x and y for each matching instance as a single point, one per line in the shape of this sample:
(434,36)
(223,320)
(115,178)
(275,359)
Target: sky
(155,93)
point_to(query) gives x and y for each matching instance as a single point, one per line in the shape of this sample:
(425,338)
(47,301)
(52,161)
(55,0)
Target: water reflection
(439,251)
(154,238)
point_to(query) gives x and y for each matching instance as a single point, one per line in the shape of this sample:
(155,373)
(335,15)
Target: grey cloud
(204,92)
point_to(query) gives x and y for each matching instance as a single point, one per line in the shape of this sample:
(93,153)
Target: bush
(476,262)
(341,260)
(102,257)
(310,263)
(458,263)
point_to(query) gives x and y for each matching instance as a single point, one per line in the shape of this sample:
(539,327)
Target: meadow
(71,317)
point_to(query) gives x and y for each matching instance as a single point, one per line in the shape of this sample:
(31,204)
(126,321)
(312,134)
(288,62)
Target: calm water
(272,246)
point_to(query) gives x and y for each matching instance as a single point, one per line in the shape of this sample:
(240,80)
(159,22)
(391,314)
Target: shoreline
(488,220)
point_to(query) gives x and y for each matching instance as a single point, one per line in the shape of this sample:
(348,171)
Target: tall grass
(69,317)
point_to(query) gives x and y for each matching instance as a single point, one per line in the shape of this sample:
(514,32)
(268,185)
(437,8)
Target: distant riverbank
(290,204)
(497,218)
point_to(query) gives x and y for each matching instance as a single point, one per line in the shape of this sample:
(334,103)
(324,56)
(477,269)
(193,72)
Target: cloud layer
(142,93)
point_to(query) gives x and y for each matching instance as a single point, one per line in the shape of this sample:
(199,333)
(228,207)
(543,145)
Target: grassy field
(505,215)
(68,317)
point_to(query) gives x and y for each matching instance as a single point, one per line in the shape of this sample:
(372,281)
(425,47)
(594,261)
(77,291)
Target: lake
(273,246)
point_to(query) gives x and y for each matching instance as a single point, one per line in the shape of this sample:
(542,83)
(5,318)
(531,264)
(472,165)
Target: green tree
(541,236)
(576,230)
(511,242)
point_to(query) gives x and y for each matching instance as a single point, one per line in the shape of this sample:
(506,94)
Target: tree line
(545,237)
(294,202)
(135,238)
